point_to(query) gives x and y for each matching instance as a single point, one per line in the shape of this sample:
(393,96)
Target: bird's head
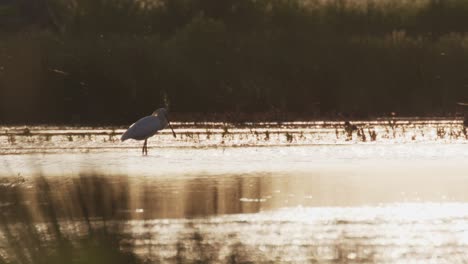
(160,112)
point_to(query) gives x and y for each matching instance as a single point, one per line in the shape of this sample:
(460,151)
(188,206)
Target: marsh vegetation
(313,131)
(24,139)
(235,193)
(233,218)
(89,61)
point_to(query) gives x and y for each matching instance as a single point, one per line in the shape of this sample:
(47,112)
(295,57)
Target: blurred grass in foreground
(97,219)
(87,220)
(33,224)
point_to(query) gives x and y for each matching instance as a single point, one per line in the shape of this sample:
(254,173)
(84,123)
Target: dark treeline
(115,60)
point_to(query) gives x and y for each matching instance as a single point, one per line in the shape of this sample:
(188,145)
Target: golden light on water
(298,193)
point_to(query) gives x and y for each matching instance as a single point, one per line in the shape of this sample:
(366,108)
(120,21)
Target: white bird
(148,126)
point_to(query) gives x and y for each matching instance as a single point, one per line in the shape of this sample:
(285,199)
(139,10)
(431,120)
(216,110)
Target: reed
(84,220)
(33,225)
(113,60)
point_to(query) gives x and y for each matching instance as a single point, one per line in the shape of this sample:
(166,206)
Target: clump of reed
(11,139)
(225,131)
(33,224)
(372,134)
(84,220)
(289,137)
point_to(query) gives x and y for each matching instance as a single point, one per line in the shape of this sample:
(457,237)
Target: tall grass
(44,227)
(114,60)
(89,220)
(86,220)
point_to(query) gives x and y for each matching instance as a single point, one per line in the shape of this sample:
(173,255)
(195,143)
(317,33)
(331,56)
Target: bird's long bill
(173,133)
(169,124)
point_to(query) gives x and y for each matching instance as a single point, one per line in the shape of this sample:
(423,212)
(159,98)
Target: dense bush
(115,60)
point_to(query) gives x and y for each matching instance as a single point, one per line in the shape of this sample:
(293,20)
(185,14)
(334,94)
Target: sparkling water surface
(304,192)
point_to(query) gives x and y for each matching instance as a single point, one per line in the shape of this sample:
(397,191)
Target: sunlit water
(389,192)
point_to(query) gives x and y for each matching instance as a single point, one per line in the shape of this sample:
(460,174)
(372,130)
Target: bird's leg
(146,147)
(144,150)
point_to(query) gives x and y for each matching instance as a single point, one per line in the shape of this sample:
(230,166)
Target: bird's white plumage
(147,126)
(144,128)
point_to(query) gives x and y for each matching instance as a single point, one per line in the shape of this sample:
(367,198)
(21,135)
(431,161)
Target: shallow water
(289,192)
